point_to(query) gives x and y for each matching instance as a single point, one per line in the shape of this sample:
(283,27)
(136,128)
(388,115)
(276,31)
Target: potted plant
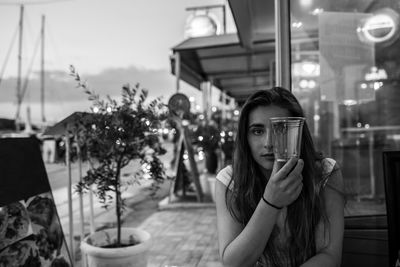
(114,135)
(207,137)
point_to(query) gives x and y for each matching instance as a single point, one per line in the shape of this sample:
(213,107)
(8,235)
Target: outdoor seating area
(122,167)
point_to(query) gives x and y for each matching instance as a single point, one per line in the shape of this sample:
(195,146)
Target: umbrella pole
(71,221)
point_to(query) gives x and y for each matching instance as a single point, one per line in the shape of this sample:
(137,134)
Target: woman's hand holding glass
(285,184)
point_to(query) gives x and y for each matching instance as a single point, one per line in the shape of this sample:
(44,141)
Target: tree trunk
(118,207)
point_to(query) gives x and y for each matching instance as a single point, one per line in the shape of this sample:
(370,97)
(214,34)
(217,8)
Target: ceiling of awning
(232,68)
(222,60)
(254,19)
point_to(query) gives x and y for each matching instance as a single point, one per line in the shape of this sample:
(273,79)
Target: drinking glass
(286,138)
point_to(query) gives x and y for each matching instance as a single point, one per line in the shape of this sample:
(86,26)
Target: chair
(391,173)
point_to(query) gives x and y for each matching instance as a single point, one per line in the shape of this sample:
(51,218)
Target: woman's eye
(257,131)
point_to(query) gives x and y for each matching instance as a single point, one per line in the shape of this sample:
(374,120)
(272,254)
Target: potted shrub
(207,137)
(112,136)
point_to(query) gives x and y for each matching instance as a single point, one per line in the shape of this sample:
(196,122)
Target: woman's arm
(329,245)
(243,246)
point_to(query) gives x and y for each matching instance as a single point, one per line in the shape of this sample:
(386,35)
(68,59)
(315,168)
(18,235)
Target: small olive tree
(113,135)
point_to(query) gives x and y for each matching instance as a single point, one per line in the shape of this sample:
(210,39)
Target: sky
(106,40)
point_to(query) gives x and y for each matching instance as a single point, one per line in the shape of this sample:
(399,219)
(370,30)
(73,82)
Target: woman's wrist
(270,204)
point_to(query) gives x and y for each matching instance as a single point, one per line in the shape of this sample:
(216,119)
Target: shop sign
(379,27)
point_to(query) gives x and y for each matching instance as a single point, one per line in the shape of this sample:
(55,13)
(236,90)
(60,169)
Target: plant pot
(211,183)
(135,255)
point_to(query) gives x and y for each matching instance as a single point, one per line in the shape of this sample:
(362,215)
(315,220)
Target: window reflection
(345,72)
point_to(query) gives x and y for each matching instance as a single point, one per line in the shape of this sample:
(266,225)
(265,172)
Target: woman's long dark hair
(304,214)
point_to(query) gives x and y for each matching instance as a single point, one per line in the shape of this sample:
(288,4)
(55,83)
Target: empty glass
(286,138)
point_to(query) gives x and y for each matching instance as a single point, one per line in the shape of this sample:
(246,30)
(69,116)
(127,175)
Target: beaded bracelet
(269,203)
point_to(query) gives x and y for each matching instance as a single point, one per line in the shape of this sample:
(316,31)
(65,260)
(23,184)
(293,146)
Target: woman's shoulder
(331,174)
(328,165)
(225,176)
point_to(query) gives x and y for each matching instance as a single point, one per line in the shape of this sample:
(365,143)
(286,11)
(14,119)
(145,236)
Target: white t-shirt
(328,165)
(280,239)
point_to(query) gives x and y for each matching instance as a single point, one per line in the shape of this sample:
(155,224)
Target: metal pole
(19,97)
(82,217)
(42,72)
(70,211)
(82,222)
(209,98)
(177,70)
(282,39)
(224,17)
(223,111)
(204,89)
(371,163)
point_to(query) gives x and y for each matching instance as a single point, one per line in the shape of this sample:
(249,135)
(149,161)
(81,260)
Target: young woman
(268,217)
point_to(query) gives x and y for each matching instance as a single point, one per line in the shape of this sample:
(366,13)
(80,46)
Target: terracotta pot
(135,255)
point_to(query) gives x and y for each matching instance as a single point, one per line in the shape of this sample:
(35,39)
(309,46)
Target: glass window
(345,72)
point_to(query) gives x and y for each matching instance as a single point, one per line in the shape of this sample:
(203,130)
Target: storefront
(342,60)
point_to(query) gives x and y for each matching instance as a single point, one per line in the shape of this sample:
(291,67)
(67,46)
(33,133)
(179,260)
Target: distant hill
(59,85)
(63,98)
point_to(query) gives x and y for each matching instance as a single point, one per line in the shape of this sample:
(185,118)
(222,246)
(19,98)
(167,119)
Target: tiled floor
(183,237)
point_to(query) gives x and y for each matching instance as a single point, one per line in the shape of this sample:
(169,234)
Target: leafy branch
(113,135)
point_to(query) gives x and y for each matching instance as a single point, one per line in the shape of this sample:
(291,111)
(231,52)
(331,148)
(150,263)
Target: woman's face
(259,134)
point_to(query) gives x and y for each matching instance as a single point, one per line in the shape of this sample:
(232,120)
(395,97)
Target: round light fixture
(201,25)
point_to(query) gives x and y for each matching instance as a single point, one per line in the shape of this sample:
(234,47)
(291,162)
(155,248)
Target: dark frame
(391,173)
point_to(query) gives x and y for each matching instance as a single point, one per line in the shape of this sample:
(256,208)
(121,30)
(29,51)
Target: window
(345,72)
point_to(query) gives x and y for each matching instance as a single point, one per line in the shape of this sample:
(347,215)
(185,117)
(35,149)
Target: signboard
(30,229)
(179,104)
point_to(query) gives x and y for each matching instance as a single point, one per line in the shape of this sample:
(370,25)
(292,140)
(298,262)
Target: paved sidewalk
(183,237)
